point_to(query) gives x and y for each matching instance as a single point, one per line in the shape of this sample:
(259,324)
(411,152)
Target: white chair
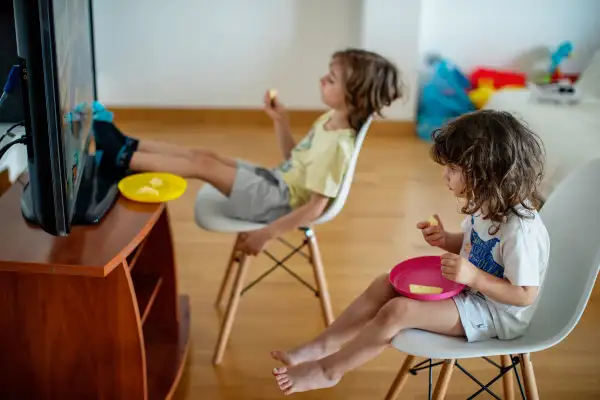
(572,271)
(210,215)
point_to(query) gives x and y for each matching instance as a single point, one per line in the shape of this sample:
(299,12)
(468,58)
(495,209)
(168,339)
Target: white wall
(226,53)
(391,27)
(502,33)
(218,53)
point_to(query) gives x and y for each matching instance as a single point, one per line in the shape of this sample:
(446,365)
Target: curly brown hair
(501,159)
(372,83)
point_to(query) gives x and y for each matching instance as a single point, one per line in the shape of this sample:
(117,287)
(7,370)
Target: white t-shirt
(519,252)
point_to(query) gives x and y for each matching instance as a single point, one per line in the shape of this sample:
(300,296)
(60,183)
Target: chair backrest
(572,217)
(338,202)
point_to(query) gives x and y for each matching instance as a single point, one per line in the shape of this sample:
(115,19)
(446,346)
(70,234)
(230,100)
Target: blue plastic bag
(444,96)
(99,113)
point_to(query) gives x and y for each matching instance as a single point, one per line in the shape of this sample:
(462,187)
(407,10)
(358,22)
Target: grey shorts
(475,316)
(258,195)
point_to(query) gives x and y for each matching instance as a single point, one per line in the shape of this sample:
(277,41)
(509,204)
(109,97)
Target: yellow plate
(152,187)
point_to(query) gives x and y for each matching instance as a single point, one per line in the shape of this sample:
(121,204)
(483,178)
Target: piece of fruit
(147,190)
(422,289)
(272,93)
(156,182)
(432,221)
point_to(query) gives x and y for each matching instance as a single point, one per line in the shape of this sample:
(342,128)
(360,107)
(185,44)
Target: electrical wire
(9,131)
(18,124)
(4,149)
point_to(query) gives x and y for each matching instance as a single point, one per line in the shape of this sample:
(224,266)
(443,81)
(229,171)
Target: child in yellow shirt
(359,83)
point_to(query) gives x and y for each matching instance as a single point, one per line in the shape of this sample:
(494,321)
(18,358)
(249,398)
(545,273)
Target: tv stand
(97,194)
(95,314)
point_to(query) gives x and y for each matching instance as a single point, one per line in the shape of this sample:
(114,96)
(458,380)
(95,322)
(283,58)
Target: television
(55,50)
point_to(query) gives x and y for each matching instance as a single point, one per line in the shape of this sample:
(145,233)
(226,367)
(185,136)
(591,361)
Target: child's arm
(254,242)
(453,242)
(276,111)
(301,216)
(502,291)
(458,269)
(323,178)
(435,234)
(284,137)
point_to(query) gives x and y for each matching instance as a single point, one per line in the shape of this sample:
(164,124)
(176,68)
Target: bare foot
(303,377)
(302,354)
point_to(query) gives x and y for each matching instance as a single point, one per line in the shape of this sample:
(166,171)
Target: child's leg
(398,314)
(119,148)
(151,146)
(205,168)
(345,327)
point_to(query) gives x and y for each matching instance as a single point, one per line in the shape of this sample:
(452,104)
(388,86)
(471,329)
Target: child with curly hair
(359,84)
(494,164)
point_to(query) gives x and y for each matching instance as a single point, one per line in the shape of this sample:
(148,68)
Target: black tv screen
(76,91)
(56,54)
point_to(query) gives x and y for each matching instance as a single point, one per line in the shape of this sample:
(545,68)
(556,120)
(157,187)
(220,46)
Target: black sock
(107,135)
(123,158)
(116,149)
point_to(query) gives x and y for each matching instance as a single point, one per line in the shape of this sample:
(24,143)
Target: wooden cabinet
(96,314)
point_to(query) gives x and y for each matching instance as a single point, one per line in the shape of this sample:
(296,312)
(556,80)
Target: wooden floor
(396,185)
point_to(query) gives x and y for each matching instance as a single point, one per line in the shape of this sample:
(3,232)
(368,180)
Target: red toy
(498,78)
(558,76)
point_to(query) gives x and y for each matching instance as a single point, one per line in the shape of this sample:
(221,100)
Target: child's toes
(277,355)
(285,386)
(279,371)
(283,356)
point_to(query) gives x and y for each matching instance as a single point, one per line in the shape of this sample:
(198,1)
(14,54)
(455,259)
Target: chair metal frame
(509,364)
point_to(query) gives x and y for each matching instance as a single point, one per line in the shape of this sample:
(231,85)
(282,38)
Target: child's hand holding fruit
(273,107)
(433,231)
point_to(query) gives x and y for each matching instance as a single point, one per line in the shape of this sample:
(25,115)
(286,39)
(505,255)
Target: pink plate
(423,271)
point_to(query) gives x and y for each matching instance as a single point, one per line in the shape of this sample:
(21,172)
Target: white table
(571,134)
(15,160)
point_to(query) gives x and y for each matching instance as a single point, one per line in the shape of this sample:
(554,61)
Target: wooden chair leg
(443,381)
(401,379)
(317,264)
(508,378)
(229,274)
(234,300)
(531,390)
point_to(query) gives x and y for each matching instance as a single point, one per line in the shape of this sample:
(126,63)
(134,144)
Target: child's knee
(200,154)
(380,285)
(396,311)
(380,290)
(204,161)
